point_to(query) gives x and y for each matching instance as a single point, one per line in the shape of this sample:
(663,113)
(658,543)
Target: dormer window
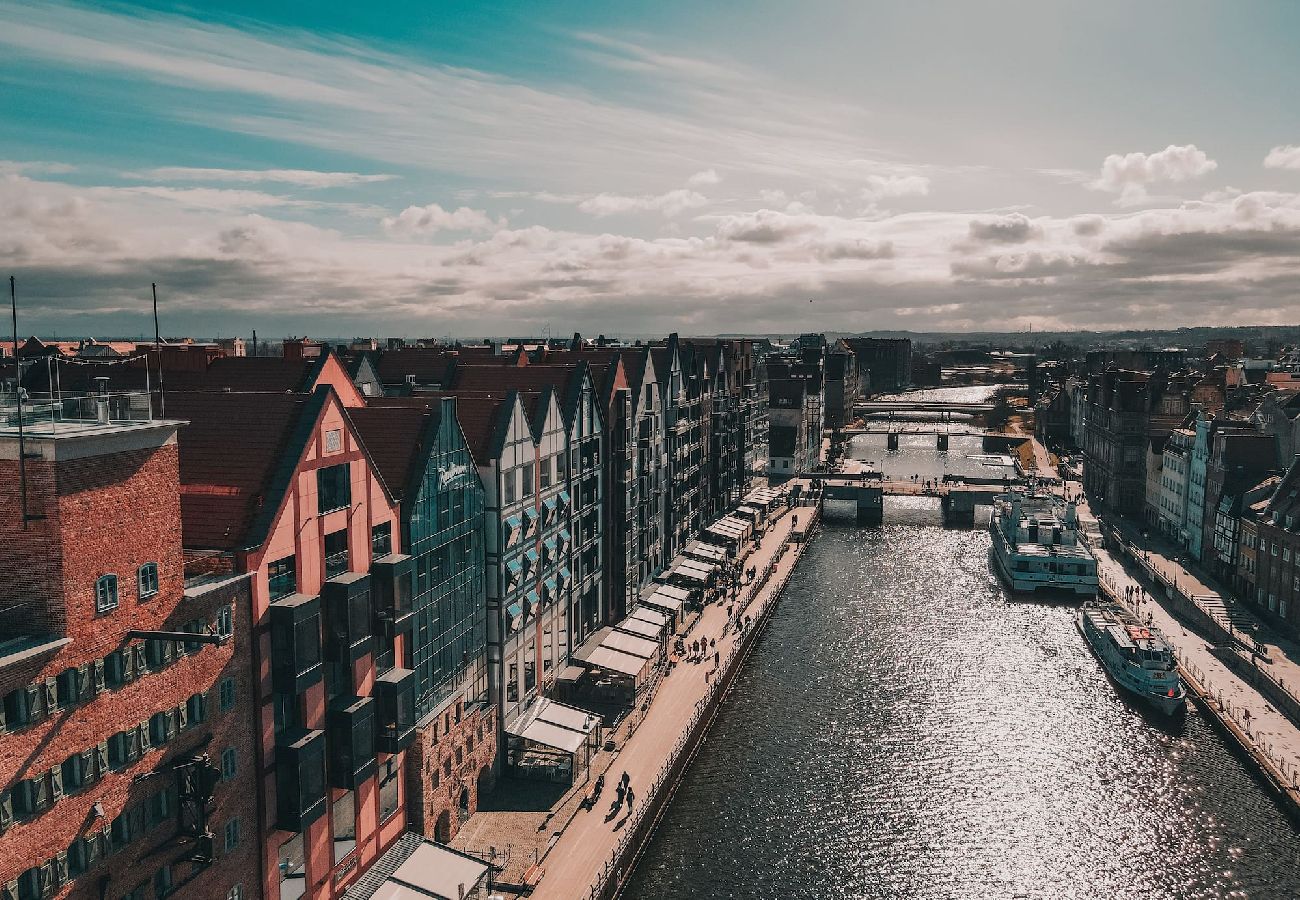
(106,593)
(146,580)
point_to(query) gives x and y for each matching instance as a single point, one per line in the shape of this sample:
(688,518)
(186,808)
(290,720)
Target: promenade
(1265,733)
(570,852)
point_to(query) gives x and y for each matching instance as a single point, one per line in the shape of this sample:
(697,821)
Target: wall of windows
(444,537)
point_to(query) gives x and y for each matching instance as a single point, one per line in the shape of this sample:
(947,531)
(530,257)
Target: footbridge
(886,407)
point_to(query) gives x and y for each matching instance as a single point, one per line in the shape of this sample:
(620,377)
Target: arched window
(106,593)
(147,580)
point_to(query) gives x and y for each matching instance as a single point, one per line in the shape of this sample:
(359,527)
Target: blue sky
(469,169)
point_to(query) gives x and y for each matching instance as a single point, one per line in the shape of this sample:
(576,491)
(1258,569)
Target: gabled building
(421,452)
(1277,578)
(280,487)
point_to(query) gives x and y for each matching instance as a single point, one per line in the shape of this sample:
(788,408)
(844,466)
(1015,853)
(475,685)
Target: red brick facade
(109,505)
(447,766)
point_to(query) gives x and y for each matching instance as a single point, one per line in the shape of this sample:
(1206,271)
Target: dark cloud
(1012,229)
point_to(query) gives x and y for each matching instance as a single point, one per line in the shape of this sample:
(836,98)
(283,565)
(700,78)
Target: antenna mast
(18,395)
(157,353)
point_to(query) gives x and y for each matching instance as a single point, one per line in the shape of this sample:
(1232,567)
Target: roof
(428,365)
(397,438)
(787,392)
(478,412)
(233,458)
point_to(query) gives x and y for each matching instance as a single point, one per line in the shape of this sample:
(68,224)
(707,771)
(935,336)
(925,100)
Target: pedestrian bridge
(885,407)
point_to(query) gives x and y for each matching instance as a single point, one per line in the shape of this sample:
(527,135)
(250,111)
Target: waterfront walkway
(569,851)
(1269,736)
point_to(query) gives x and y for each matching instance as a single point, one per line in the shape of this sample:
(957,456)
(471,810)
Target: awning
(675,592)
(566,537)
(614,661)
(652,616)
(514,610)
(531,599)
(570,717)
(416,868)
(691,574)
(531,557)
(553,736)
(513,526)
(549,507)
(514,570)
(630,644)
(640,628)
(705,551)
(565,500)
(663,601)
(549,546)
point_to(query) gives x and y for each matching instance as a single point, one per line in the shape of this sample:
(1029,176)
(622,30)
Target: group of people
(623,793)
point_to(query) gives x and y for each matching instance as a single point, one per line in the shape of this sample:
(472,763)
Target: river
(903,731)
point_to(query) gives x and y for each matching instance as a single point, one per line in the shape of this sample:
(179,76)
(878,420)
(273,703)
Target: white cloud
(1129,174)
(300,177)
(430,219)
(880,186)
(765,226)
(706,177)
(16,167)
(1287,157)
(671,204)
(1013,229)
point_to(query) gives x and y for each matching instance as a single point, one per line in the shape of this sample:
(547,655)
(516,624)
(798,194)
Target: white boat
(1137,657)
(1036,545)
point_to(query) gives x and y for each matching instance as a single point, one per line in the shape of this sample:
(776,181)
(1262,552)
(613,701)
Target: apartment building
(126,743)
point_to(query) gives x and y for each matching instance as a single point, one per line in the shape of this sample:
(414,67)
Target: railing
(44,413)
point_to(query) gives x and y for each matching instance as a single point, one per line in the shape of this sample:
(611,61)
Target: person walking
(631,798)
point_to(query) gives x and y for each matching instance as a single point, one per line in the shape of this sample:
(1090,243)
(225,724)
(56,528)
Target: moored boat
(1137,657)
(1036,546)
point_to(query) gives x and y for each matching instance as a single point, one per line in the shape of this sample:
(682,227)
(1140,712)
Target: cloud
(880,186)
(1013,229)
(671,204)
(299,177)
(431,219)
(1129,174)
(765,226)
(1287,157)
(706,177)
(32,167)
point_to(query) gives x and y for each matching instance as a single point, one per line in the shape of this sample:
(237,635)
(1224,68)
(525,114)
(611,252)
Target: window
(226,621)
(381,539)
(389,778)
(232,834)
(106,593)
(229,764)
(146,580)
(336,553)
(162,806)
(162,882)
(333,488)
(162,726)
(545,473)
(196,710)
(527,476)
(293,875)
(508,486)
(78,771)
(344,817)
(282,578)
(226,694)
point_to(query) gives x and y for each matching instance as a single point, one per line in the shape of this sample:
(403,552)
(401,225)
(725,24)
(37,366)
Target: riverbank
(559,849)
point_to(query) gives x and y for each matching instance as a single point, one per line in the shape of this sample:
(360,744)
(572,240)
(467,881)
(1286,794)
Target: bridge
(885,407)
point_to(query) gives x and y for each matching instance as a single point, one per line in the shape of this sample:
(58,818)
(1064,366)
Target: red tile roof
(230,454)
(394,435)
(428,365)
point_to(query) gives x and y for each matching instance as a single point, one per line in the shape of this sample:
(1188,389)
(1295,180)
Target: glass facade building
(447,650)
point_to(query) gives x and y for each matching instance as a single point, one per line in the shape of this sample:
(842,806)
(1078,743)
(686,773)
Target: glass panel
(333,487)
(344,817)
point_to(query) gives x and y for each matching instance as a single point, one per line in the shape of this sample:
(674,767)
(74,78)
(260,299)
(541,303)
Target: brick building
(1277,554)
(126,752)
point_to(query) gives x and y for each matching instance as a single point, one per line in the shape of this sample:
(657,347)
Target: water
(902,731)
(916,455)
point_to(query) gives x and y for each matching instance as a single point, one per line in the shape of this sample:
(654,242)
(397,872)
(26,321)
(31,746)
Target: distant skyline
(492,168)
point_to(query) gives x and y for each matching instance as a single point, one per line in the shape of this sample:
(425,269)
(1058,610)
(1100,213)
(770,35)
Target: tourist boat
(1036,546)
(1137,657)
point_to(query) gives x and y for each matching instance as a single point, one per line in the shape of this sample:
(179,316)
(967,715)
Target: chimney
(101,399)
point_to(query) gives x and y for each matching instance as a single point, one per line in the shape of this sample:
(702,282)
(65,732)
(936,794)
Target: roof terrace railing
(44,414)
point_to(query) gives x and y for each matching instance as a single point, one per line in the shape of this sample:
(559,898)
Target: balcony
(350,727)
(391,585)
(300,780)
(295,643)
(68,412)
(349,623)
(395,725)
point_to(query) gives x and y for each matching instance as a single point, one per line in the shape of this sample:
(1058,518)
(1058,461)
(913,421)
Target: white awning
(566,716)
(691,573)
(652,616)
(640,628)
(663,601)
(677,593)
(627,643)
(554,736)
(429,870)
(706,552)
(614,661)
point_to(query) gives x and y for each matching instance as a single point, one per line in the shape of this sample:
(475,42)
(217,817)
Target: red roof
(428,365)
(230,453)
(394,437)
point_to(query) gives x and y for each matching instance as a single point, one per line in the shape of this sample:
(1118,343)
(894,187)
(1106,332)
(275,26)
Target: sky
(523,168)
